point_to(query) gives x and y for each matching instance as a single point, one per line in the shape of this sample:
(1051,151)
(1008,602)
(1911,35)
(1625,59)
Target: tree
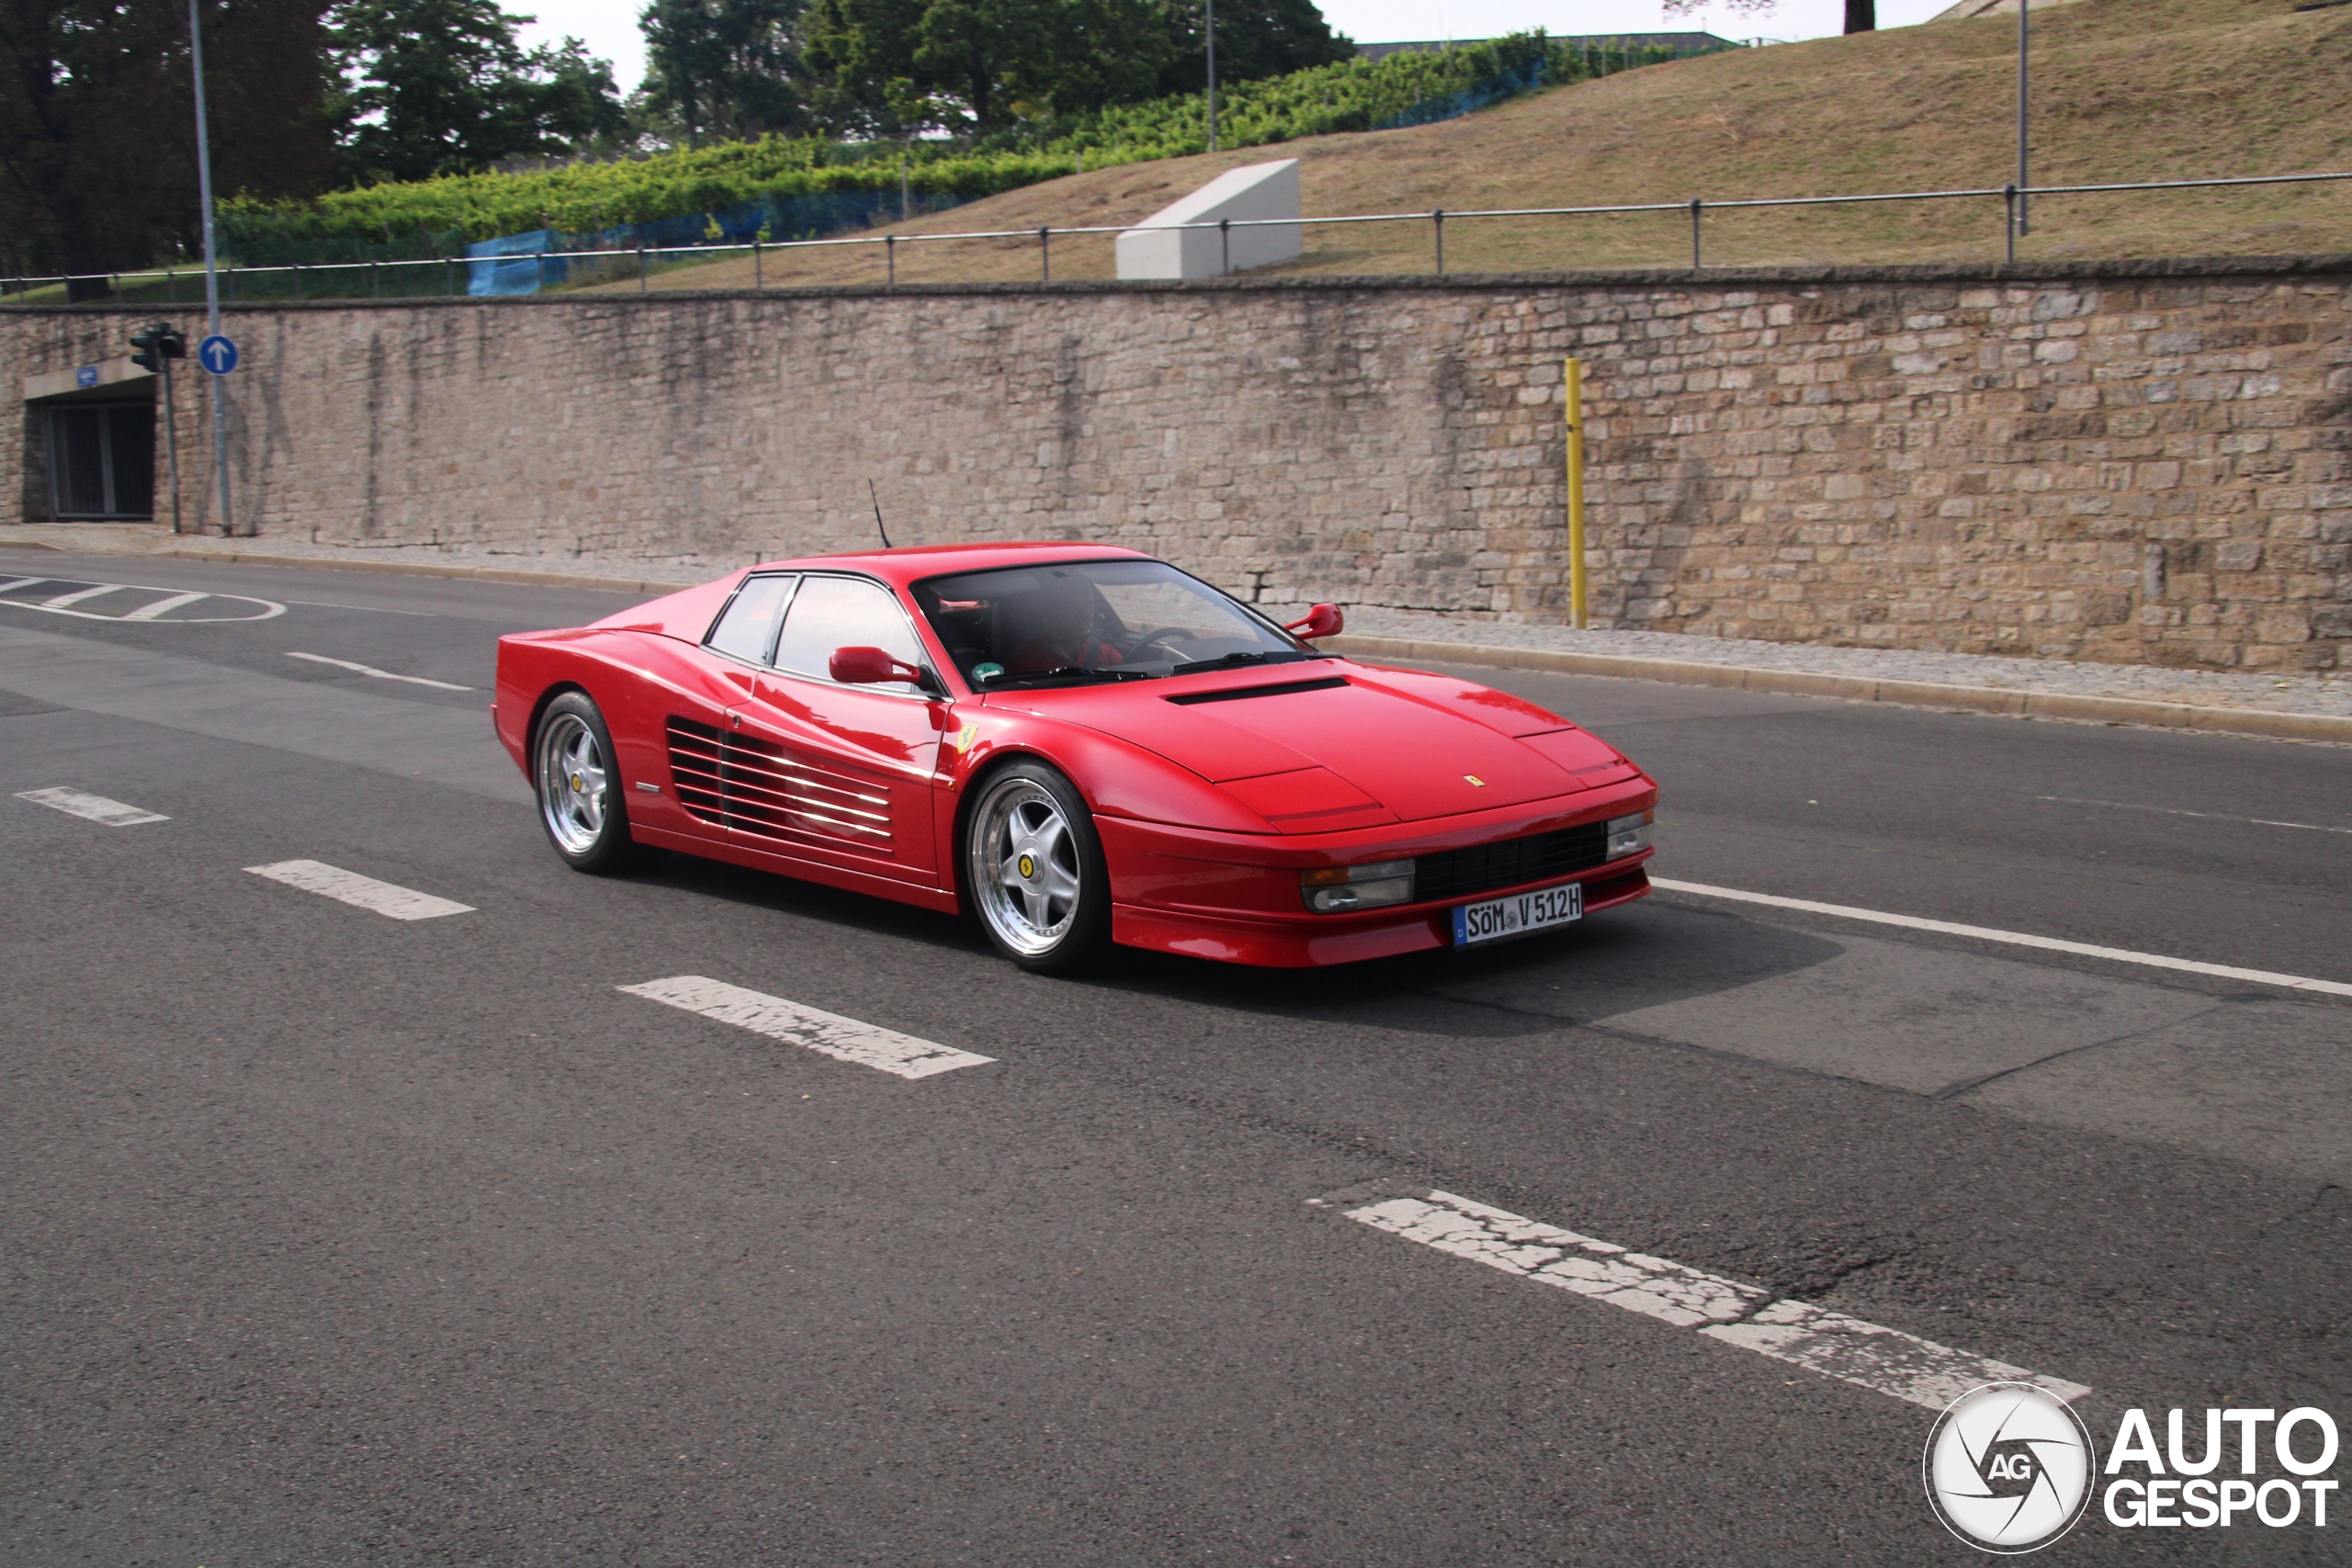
(724,69)
(443,87)
(1254,38)
(861,55)
(98,124)
(889,67)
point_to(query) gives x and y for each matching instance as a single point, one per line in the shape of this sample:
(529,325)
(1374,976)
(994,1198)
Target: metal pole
(1044,253)
(1694,233)
(211,261)
(890,255)
(171,439)
(1573,396)
(2009,197)
(1208,8)
(640,266)
(1437,219)
(1224,246)
(759,275)
(2025,218)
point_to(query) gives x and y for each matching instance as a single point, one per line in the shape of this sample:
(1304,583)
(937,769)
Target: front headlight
(1629,835)
(1335,890)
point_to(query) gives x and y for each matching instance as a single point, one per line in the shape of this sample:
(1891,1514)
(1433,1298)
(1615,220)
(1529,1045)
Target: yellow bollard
(1573,397)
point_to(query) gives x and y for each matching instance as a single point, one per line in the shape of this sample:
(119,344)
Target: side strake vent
(756,786)
(1243,694)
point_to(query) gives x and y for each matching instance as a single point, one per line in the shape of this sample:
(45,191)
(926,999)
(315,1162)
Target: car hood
(1319,746)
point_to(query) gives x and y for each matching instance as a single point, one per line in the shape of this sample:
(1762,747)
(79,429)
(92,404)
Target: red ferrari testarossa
(1080,745)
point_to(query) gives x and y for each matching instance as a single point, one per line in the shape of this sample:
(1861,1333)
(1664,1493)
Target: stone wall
(2116,462)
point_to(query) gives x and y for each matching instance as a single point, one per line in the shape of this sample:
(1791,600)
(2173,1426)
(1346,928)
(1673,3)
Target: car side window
(748,625)
(842,611)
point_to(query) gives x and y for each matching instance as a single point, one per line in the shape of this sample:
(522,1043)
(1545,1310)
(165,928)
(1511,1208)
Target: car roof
(911,563)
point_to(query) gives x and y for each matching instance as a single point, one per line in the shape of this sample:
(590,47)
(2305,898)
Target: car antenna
(877,515)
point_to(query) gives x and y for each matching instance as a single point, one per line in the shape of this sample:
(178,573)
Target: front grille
(1481,868)
(757,786)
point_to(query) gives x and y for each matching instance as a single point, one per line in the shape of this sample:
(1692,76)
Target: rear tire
(579,787)
(1033,869)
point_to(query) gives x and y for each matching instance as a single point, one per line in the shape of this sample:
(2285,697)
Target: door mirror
(870,667)
(1324,620)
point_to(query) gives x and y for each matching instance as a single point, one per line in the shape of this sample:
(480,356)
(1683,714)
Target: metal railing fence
(368,280)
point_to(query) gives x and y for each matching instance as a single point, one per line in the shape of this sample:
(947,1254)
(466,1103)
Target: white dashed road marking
(1864,1354)
(2015,939)
(96,807)
(379,674)
(829,1035)
(365,892)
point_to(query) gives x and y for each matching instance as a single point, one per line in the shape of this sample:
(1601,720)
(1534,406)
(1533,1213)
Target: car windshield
(1080,621)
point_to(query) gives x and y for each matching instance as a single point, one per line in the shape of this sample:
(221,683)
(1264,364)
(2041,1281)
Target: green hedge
(1354,96)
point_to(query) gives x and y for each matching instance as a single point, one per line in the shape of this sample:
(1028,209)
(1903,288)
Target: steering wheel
(1156,634)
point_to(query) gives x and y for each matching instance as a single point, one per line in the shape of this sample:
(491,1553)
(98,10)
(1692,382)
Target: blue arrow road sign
(217,354)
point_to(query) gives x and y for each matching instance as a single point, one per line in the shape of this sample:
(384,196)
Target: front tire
(578,786)
(1033,867)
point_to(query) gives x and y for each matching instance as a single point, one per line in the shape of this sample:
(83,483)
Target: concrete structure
(1160,247)
(2138,463)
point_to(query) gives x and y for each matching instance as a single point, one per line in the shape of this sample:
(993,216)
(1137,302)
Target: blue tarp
(1470,100)
(517,277)
(768,218)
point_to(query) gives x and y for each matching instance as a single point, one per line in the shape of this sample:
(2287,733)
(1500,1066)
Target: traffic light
(157,344)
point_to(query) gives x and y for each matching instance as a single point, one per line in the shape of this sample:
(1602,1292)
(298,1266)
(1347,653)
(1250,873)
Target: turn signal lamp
(1629,835)
(1338,889)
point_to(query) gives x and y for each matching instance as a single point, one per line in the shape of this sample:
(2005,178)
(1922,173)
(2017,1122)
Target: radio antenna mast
(877,515)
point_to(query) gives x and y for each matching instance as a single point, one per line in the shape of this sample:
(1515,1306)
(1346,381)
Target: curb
(388,568)
(2203,719)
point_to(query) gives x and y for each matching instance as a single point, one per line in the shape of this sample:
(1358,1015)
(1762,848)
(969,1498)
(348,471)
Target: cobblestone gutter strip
(1865,688)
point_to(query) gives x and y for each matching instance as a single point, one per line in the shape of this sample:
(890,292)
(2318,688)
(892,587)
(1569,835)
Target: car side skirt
(944,902)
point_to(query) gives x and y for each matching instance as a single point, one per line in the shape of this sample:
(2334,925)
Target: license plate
(1519,913)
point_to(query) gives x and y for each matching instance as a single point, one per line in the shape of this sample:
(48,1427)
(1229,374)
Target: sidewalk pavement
(2280,705)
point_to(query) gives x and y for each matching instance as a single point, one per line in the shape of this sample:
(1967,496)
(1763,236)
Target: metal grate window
(101,460)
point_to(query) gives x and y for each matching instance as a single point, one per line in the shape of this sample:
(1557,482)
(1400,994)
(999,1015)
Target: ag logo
(2009,1468)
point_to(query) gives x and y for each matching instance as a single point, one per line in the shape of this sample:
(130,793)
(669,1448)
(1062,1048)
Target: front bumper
(1235,897)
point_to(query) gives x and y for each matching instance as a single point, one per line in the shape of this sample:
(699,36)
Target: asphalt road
(334,1239)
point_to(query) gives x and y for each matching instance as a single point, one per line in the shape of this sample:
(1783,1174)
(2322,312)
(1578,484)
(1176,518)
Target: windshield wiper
(1067,672)
(1234,661)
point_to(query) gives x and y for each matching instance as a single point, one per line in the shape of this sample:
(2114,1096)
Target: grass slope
(2123,90)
